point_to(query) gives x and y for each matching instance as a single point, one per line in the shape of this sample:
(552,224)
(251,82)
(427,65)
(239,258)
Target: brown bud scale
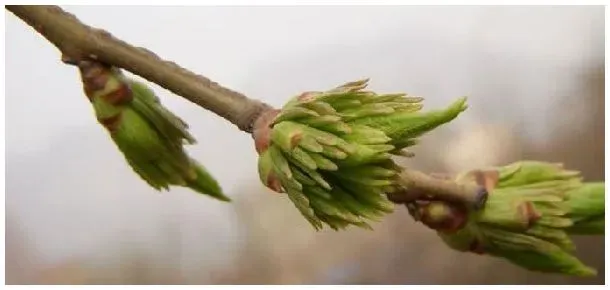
(119,96)
(111,123)
(261,132)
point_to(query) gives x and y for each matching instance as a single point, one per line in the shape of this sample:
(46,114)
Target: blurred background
(77,214)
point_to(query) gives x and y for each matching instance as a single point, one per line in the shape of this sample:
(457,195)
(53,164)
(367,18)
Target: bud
(150,137)
(331,152)
(441,216)
(586,205)
(531,210)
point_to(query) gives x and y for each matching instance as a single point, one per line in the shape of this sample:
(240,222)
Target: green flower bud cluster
(150,137)
(532,209)
(331,152)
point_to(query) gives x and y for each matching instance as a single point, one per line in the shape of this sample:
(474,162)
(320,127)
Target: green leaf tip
(532,209)
(587,209)
(331,151)
(405,127)
(150,136)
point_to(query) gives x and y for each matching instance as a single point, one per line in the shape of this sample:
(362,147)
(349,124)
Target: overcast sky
(72,194)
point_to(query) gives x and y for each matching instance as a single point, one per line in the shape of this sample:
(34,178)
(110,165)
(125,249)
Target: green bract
(150,137)
(531,210)
(331,151)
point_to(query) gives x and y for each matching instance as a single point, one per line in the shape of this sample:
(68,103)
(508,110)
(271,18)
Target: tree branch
(78,41)
(417,185)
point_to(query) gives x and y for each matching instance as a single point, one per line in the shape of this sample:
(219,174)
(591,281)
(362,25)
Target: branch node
(415,185)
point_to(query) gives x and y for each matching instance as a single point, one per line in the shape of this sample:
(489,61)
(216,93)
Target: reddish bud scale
(95,77)
(452,218)
(307,96)
(273,183)
(261,132)
(122,95)
(449,218)
(295,139)
(111,123)
(488,178)
(528,211)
